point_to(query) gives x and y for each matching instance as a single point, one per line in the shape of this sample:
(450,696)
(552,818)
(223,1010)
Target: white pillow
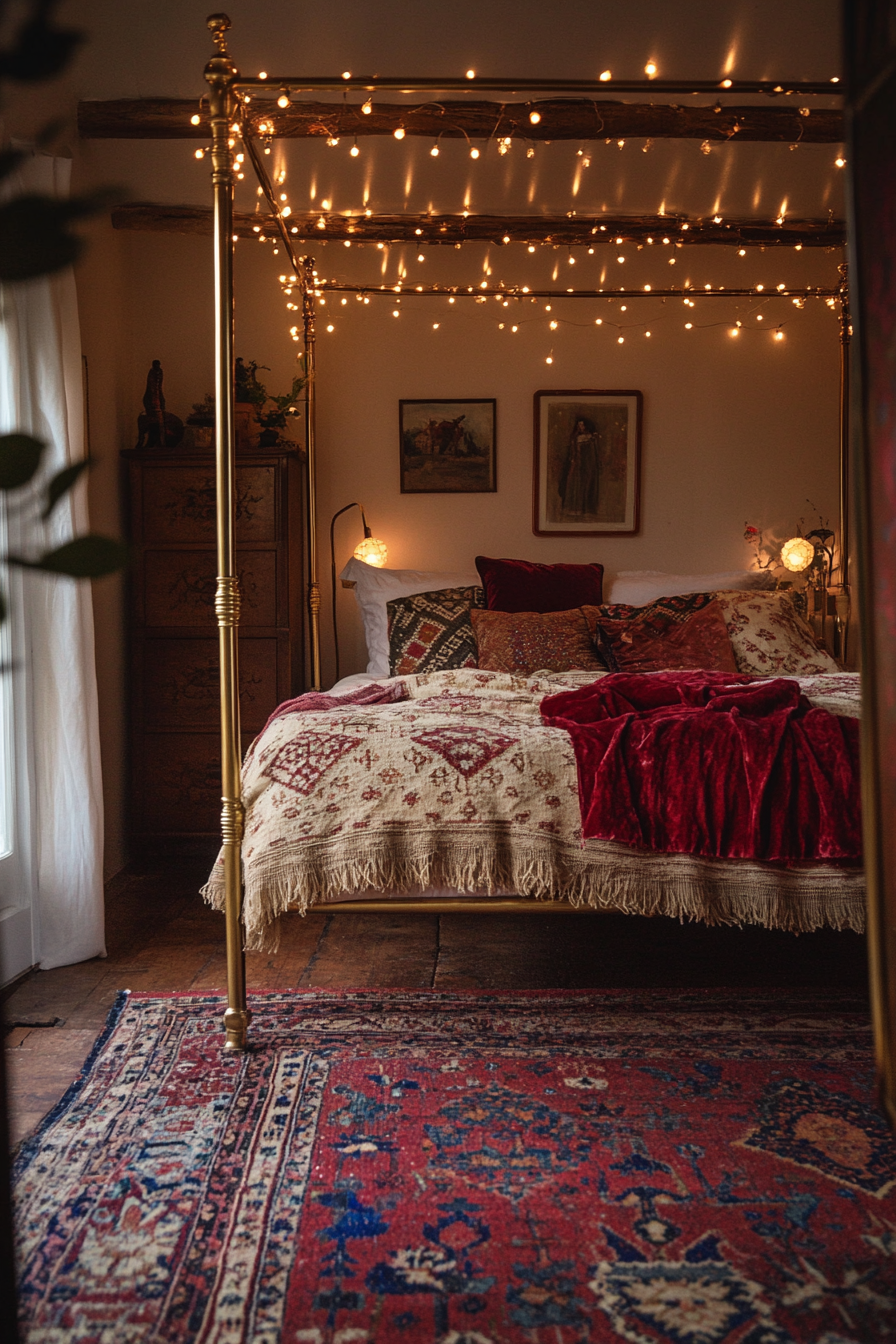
(637,587)
(375,587)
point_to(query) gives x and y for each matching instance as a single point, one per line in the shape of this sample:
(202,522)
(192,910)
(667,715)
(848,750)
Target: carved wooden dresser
(175,755)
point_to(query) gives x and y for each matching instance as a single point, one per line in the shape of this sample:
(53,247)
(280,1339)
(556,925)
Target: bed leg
(237,1015)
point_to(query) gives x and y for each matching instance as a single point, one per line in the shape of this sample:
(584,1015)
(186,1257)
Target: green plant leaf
(9,161)
(40,49)
(20,456)
(87,557)
(61,483)
(35,234)
(34,238)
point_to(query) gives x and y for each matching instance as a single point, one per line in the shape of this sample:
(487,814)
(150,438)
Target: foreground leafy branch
(86,557)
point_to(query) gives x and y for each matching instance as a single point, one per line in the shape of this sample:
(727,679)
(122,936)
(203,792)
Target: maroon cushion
(523,585)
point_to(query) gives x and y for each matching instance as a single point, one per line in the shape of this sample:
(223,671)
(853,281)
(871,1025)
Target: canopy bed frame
(228,116)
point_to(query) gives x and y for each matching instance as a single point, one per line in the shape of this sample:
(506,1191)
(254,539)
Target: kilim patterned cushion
(524,642)
(429,632)
(686,631)
(770,638)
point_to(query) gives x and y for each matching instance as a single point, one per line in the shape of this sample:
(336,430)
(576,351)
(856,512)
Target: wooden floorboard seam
(438,955)
(318,947)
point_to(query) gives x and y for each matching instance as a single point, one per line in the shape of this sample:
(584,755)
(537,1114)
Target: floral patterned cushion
(530,641)
(429,632)
(769,638)
(670,633)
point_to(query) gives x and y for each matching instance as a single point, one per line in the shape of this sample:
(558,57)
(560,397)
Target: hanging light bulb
(367,108)
(534,117)
(354,151)
(435,150)
(474,152)
(283,100)
(399,132)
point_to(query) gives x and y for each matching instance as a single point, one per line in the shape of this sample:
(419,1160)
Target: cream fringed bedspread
(461,786)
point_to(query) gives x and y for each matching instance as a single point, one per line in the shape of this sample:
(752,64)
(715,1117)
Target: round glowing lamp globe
(797,554)
(372,551)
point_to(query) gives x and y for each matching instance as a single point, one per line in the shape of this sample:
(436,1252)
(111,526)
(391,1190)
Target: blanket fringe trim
(603,876)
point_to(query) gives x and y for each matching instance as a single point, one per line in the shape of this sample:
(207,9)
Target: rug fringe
(603,876)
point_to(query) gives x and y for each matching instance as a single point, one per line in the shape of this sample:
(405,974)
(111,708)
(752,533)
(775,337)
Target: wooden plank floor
(161,937)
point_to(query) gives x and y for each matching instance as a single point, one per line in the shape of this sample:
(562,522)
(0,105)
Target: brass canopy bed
(506,712)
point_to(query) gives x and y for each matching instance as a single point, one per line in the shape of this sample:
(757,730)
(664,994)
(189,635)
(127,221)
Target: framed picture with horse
(587,463)
(447,446)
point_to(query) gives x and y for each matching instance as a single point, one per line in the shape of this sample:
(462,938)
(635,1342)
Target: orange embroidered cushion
(530,641)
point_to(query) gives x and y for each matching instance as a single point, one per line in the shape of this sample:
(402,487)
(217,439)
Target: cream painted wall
(735,428)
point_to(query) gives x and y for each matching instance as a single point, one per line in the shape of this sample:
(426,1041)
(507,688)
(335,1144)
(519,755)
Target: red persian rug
(667,1167)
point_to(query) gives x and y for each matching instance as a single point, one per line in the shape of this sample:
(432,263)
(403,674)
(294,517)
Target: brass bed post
(842,600)
(308,282)
(220,74)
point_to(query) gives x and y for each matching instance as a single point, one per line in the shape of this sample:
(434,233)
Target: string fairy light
(505,294)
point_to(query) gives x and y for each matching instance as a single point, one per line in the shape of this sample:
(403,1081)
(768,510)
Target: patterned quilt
(461,786)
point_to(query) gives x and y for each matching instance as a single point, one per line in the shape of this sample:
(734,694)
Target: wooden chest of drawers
(175,757)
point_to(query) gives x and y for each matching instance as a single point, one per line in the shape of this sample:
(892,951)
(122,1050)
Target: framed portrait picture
(447,446)
(587,463)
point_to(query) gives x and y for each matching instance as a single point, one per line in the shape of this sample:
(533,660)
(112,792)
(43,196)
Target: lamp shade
(797,554)
(372,551)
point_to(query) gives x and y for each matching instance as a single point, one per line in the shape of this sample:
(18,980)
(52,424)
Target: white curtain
(41,392)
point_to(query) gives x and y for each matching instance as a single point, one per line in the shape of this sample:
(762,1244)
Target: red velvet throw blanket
(715,764)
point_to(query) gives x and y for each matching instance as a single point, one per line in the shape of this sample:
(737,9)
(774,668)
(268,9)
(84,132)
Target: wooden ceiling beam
(582,119)
(561,230)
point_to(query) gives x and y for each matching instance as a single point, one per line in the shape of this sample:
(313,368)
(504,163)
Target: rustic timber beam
(558,119)
(561,230)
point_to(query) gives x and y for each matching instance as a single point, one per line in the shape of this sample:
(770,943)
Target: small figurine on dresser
(157,428)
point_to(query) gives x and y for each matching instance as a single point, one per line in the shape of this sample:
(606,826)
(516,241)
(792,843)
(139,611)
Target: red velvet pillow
(671,633)
(523,585)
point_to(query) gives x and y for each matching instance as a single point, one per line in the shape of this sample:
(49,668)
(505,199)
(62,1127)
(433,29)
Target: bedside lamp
(371,550)
(815,553)
(797,554)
